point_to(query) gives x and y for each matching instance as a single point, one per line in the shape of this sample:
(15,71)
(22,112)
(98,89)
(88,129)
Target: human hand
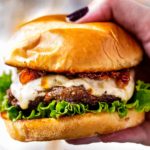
(134,16)
(139,134)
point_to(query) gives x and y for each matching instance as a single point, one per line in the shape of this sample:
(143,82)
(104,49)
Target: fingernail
(77,14)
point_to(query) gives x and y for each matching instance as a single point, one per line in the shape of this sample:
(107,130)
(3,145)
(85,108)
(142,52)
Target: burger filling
(37,94)
(77,88)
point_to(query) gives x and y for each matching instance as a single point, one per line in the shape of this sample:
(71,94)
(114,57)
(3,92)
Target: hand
(139,134)
(134,16)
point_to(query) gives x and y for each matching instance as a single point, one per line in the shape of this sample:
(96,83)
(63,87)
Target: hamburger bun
(50,43)
(73,127)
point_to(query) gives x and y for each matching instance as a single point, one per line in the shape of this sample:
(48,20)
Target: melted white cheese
(31,90)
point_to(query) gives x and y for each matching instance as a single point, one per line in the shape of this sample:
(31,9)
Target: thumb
(130,14)
(97,10)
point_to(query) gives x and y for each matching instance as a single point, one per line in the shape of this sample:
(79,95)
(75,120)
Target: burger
(72,81)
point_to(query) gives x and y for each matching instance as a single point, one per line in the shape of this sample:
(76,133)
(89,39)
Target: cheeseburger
(73,80)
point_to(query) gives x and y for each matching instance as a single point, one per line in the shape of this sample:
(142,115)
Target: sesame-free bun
(50,43)
(72,127)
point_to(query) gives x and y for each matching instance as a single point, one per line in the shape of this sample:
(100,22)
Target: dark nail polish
(78,14)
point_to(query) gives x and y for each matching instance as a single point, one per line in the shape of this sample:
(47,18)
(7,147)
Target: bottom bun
(77,126)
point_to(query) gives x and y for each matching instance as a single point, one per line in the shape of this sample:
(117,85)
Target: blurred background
(13,13)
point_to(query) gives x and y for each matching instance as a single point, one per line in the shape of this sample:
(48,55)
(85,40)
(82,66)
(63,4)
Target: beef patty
(74,94)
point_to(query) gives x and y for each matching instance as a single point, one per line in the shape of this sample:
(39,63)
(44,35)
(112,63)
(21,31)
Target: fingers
(98,10)
(130,14)
(84,140)
(139,134)
(135,135)
(77,14)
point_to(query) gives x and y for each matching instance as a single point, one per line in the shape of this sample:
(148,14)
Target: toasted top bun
(50,43)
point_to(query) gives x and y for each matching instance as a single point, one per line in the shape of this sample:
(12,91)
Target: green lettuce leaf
(5,82)
(142,95)
(56,109)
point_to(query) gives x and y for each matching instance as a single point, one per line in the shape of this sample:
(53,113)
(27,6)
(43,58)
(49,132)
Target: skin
(134,16)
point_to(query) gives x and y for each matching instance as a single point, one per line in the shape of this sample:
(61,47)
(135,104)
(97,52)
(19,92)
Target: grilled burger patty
(74,94)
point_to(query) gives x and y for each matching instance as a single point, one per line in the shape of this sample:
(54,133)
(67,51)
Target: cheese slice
(28,92)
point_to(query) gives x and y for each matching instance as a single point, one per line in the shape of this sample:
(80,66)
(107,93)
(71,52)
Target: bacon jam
(121,77)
